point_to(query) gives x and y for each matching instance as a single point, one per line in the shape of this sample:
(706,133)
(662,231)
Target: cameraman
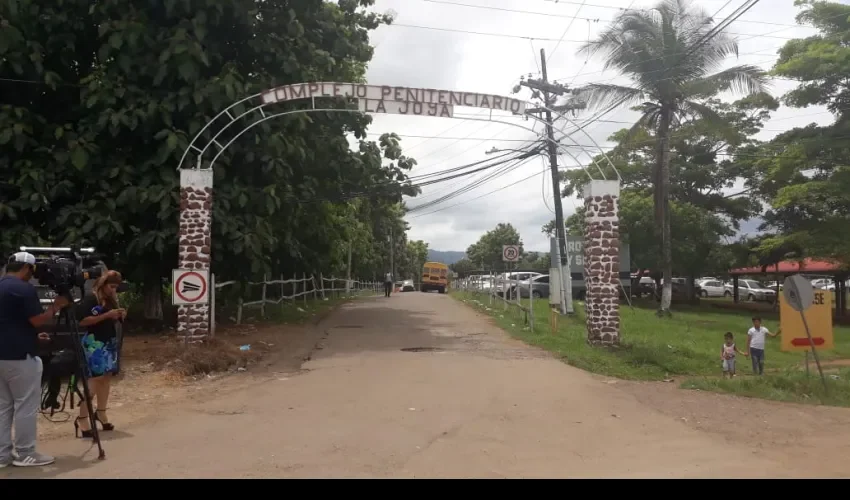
(20,368)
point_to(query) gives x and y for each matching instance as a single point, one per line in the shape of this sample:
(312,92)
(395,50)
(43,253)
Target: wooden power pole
(549,92)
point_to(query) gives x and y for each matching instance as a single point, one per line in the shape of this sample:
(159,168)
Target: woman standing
(98,314)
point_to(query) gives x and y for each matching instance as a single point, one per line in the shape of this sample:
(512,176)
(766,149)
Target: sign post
(799,296)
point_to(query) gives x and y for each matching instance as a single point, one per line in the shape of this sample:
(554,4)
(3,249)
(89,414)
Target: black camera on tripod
(63,269)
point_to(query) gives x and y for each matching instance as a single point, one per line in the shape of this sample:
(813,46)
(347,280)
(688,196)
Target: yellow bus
(435,276)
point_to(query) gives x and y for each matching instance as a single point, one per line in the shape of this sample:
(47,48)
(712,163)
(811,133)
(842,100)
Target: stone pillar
(602,262)
(194,236)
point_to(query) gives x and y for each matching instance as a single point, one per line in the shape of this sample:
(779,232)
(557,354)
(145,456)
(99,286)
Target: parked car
(538,285)
(752,290)
(822,282)
(509,280)
(831,287)
(408,286)
(712,288)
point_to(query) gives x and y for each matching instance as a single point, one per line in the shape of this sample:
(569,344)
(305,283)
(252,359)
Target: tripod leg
(83,377)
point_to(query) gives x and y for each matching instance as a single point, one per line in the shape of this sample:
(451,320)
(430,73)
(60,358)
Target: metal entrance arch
(196,178)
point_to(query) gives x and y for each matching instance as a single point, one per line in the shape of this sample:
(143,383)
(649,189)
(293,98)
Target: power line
(540,39)
(570,25)
(600,6)
(568,16)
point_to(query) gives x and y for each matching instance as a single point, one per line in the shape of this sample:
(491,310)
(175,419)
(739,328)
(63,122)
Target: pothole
(422,349)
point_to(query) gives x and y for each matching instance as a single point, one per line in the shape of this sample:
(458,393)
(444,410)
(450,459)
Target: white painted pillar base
(195,240)
(602,261)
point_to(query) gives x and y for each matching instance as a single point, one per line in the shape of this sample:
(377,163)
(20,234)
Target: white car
(753,291)
(822,283)
(711,288)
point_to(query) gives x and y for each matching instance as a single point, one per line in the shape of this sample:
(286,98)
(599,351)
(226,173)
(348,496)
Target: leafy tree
(803,173)
(464,267)
(535,261)
(701,169)
(669,53)
(106,97)
(487,251)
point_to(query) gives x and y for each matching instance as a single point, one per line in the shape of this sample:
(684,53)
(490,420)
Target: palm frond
(701,111)
(744,79)
(598,95)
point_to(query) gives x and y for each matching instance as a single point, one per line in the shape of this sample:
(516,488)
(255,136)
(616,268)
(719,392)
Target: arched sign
(395,100)
(196,181)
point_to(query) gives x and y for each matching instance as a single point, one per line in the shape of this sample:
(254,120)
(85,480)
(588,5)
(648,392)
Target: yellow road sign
(818,317)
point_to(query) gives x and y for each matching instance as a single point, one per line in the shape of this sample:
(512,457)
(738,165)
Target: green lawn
(685,347)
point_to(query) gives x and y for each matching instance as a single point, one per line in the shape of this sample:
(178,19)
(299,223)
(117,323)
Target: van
(435,276)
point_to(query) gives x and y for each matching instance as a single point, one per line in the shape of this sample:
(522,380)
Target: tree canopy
(98,101)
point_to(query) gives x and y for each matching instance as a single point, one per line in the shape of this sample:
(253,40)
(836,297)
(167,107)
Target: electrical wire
(540,39)
(569,16)
(570,25)
(477,182)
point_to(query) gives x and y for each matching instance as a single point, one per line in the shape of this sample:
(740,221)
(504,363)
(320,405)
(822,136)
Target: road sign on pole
(510,253)
(815,309)
(190,287)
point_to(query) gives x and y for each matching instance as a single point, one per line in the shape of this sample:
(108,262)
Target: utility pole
(550,90)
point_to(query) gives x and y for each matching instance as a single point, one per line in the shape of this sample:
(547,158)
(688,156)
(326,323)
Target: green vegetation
(98,102)
(685,347)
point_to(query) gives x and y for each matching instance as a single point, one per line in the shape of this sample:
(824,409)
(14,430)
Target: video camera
(63,269)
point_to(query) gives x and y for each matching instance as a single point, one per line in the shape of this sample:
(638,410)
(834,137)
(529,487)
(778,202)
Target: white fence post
(304,276)
(239,312)
(212,305)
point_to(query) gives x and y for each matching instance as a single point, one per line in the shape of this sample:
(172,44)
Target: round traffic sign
(190,286)
(510,253)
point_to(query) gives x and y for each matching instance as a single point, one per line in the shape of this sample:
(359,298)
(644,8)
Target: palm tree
(670,53)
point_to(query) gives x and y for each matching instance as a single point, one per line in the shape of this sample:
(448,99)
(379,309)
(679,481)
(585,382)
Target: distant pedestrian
(388,284)
(756,343)
(727,355)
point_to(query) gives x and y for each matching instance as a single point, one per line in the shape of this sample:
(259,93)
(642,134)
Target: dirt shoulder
(814,440)
(152,380)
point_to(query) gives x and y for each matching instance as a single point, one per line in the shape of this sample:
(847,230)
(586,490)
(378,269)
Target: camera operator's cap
(25,257)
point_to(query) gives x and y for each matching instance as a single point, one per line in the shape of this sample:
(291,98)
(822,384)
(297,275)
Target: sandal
(77,431)
(106,425)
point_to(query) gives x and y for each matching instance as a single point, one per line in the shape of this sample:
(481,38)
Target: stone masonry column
(196,192)
(602,262)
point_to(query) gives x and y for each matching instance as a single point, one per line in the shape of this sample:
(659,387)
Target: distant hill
(448,257)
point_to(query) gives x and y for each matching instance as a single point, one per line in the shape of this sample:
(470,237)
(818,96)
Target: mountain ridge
(447,257)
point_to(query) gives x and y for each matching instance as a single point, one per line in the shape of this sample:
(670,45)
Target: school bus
(435,276)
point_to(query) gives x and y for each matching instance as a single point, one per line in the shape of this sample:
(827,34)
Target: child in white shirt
(756,343)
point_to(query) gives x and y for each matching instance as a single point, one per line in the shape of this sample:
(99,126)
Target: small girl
(727,355)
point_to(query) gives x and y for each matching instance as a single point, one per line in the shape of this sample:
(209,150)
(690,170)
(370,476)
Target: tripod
(67,316)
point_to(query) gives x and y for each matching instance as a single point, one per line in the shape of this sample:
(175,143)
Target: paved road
(486,406)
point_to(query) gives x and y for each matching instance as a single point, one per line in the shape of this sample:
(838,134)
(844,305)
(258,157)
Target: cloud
(431,58)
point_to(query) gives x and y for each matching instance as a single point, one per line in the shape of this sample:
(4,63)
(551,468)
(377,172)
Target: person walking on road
(388,284)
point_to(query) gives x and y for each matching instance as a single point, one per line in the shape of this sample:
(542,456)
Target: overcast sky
(407,54)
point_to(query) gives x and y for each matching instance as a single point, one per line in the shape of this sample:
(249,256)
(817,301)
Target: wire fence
(507,292)
(281,292)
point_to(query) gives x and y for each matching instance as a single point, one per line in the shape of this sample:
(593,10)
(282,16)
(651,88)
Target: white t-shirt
(757,337)
(388,278)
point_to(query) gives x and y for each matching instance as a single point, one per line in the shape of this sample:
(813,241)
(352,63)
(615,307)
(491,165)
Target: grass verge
(686,346)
